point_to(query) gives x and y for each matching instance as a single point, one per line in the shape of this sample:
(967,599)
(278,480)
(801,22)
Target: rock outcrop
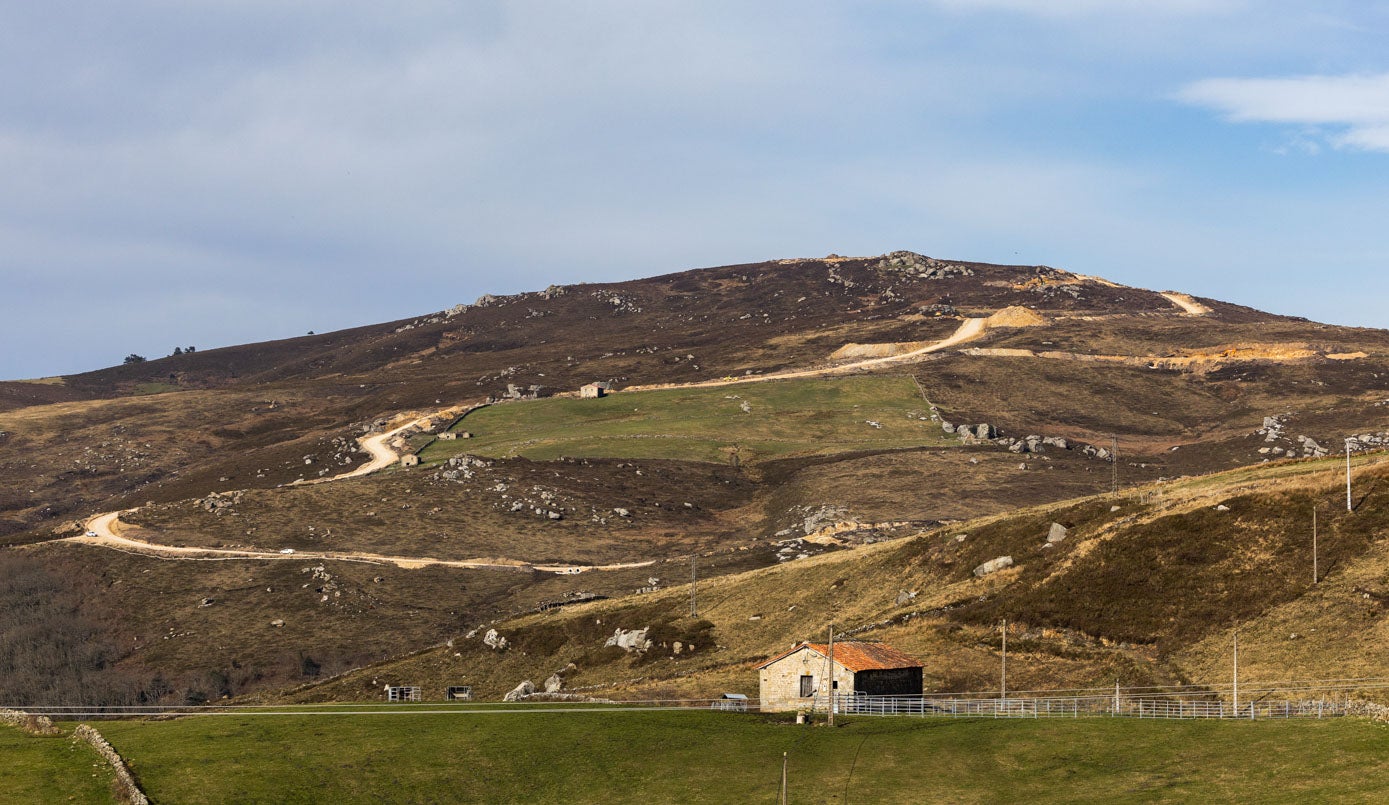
(520,692)
(993,566)
(630,639)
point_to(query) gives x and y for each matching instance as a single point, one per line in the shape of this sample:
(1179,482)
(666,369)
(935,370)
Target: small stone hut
(592,391)
(792,680)
(409,460)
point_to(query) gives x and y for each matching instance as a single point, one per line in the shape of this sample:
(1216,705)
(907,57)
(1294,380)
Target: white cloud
(1071,8)
(1355,107)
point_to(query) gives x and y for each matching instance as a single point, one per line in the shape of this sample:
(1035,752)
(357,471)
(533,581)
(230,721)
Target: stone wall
(30,723)
(1371,710)
(128,789)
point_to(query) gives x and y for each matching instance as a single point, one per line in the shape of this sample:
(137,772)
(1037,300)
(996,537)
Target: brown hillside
(782,495)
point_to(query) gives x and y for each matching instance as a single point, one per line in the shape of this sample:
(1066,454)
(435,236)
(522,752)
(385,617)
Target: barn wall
(780,683)
(888,682)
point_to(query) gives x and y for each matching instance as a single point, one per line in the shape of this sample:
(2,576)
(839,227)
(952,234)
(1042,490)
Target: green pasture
(51,769)
(704,757)
(783,418)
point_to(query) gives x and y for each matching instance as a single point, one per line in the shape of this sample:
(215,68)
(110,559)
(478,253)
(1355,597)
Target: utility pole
(1114,468)
(782,799)
(694,584)
(1314,544)
(1348,506)
(831,683)
(1003,671)
(1236,674)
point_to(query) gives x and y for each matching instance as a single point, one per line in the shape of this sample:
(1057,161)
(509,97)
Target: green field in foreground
(698,756)
(50,769)
(784,417)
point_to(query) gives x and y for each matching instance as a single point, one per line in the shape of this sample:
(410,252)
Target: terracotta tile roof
(856,656)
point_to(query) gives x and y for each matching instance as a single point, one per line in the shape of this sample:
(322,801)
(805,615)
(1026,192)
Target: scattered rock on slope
(520,692)
(629,639)
(993,565)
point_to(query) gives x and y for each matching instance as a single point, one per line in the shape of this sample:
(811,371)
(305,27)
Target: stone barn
(409,460)
(593,391)
(792,680)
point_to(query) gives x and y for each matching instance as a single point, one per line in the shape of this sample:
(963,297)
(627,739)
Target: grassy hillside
(693,757)
(1143,590)
(486,509)
(752,421)
(256,417)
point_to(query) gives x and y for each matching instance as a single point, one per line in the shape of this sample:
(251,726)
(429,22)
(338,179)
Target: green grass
(50,769)
(785,418)
(142,389)
(694,757)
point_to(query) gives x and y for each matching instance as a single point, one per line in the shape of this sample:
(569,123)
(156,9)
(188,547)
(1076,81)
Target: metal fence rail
(1122,706)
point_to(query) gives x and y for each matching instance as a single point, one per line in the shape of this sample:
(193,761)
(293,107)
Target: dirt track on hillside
(382,456)
(107,529)
(106,526)
(1187,303)
(969,330)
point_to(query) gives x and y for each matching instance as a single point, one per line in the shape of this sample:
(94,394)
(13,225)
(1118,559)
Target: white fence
(1125,706)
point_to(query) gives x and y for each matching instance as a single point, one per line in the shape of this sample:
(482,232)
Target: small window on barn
(807,685)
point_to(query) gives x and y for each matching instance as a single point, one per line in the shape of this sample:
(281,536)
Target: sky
(215,173)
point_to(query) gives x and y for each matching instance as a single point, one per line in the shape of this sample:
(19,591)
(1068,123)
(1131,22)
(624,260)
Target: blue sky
(226,172)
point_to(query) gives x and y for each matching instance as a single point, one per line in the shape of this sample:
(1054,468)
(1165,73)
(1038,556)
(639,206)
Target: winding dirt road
(107,527)
(1187,303)
(378,447)
(969,330)
(104,529)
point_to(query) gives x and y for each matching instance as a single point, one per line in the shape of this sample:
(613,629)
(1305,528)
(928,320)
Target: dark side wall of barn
(888,682)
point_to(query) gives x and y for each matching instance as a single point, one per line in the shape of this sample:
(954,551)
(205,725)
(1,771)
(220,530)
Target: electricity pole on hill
(1114,467)
(1003,668)
(694,584)
(831,718)
(1348,506)
(1235,675)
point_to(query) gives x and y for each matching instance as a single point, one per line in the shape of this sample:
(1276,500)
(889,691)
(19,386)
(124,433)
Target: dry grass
(1145,595)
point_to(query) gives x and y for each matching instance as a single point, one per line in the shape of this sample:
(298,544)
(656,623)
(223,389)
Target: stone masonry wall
(125,781)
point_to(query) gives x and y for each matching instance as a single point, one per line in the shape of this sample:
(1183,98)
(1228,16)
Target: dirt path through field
(1186,302)
(103,529)
(378,447)
(968,330)
(107,527)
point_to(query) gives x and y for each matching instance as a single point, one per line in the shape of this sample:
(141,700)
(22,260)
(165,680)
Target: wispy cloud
(1070,8)
(1354,108)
